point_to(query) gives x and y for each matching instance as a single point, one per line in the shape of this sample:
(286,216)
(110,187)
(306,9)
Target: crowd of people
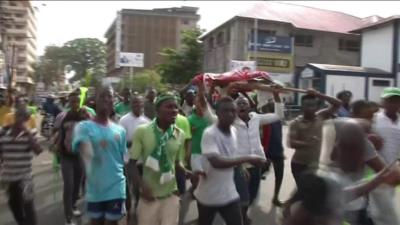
(147,157)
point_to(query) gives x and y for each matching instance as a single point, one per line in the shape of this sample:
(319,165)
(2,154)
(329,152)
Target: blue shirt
(343,112)
(105,173)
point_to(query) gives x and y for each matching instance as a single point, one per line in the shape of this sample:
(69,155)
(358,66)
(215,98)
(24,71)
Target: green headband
(162,98)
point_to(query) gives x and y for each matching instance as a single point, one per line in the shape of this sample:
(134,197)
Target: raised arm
(329,111)
(205,107)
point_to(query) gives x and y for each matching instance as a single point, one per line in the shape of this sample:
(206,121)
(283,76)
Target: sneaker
(76,212)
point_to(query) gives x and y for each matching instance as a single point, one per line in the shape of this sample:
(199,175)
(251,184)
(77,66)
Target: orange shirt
(9,119)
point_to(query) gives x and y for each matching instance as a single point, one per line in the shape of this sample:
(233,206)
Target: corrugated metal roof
(331,67)
(377,23)
(301,17)
(304,17)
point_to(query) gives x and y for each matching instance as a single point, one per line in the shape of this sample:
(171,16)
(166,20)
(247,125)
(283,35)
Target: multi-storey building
(288,37)
(147,32)
(18,40)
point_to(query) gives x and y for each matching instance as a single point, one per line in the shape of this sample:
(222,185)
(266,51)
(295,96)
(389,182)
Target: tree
(139,82)
(49,66)
(182,64)
(84,55)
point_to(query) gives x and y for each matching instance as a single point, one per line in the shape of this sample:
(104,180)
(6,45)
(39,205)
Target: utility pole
(12,67)
(256,41)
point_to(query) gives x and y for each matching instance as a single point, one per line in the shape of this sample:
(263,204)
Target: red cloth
(224,79)
(266,137)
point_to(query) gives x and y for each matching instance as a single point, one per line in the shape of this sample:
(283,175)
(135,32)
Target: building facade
(311,35)
(18,41)
(381,47)
(147,32)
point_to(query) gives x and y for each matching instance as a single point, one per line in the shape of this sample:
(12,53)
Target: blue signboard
(269,43)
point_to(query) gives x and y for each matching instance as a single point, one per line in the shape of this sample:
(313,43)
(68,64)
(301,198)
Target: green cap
(390,92)
(164,97)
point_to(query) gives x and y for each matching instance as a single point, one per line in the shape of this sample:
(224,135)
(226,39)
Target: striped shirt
(16,155)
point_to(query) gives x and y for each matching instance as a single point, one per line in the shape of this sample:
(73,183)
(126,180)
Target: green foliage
(50,66)
(140,81)
(84,54)
(182,64)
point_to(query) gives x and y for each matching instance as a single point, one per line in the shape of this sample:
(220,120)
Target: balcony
(9,8)
(16,31)
(19,20)
(24,79)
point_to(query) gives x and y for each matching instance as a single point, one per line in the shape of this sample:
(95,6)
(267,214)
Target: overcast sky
(61,21)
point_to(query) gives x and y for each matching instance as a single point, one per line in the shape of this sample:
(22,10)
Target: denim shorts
(110,210)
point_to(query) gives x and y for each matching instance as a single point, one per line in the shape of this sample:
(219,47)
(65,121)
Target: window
(210,43)
(19,26)
(228,35)
(185,21)
(19,15)
(349,45)
(381,83)
(13,3)
(303,40)
(220,38)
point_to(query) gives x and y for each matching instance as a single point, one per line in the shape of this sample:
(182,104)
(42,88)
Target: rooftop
(357,69)
(379,22)
(302,17)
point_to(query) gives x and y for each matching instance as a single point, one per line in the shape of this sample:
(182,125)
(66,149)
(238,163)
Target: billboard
(269,43)
(131,59)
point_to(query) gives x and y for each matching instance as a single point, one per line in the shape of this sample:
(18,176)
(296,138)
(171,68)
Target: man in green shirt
(124,107)
(158,145)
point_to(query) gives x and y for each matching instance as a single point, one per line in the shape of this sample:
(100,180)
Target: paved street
(48,197)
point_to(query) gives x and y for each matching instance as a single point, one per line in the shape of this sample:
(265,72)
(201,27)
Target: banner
(239,65)
(131,59)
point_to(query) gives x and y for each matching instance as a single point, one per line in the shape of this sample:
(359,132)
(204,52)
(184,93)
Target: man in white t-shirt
(216,192)
(133,119)
(130,123)
(384,207)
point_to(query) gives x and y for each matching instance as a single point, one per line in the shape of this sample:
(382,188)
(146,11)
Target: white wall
(398,54)
(335,84)
(374,92)
(377,47)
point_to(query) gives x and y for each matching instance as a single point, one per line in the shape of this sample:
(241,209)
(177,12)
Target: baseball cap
(390,92)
